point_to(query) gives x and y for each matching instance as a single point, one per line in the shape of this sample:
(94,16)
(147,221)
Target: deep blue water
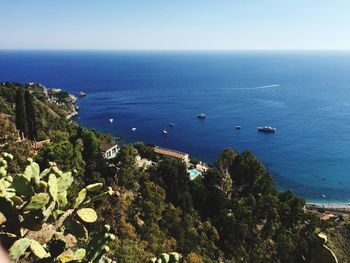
(305,95)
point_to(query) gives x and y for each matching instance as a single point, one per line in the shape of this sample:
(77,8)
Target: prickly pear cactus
(37,222)
(97,247)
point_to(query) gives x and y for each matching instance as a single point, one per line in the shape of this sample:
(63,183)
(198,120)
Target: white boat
(201,116)
(165,132)
(110,120)
(267,129)
(238,127)
(133,129)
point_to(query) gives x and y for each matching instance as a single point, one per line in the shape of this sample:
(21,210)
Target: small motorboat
(82,94)
(110,121)
(324,196)
(238,127)
(171,124)
(201,116)
(267,129)
(133,129)
(165,132)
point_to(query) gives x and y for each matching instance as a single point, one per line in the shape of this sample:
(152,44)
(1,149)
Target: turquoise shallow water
(305,95)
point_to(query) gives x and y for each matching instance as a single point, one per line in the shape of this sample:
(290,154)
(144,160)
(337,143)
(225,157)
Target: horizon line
(170,50)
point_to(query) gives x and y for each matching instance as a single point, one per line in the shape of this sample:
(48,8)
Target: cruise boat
(201,116)
(267,129)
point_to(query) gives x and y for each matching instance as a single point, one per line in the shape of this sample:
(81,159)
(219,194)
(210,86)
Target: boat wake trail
(261,87)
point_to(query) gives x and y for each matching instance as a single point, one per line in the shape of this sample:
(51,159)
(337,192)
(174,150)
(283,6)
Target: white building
(109,150)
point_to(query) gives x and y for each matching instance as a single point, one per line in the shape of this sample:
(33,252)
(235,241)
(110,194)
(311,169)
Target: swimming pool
(193,173)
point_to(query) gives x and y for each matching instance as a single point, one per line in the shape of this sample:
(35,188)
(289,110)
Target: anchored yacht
(267,129)
(201,116)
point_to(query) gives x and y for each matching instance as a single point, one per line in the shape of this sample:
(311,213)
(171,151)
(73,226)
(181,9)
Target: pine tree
(21,118)
(30,114)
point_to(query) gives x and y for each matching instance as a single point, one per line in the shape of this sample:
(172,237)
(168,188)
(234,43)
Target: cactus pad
(57,171)
(22,185)
(66,256)
(38,201)
(79,254)
(62,200)
(19,248)
(53,188)
(17,200)
(94,187)
(80,198)
(64,182)
(45,172)
(174,257)
(88,215)
(38,250)
(32,170)
(78,230)
(165,258)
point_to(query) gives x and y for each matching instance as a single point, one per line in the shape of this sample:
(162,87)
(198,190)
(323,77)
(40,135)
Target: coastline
(345,206)
(124,138)
(328,209)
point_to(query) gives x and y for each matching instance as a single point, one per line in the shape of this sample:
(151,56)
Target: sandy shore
(337,208)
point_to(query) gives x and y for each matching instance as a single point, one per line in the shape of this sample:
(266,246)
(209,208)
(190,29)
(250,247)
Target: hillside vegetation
(233,213)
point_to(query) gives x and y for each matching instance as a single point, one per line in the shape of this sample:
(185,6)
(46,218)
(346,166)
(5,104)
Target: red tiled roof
(168,152)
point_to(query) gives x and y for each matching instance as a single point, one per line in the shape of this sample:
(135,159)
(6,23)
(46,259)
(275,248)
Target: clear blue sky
(175,24)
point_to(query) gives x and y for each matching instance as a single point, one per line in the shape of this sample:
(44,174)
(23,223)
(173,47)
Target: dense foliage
(232,213)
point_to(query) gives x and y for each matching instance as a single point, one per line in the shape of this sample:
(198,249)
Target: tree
(193,258)
(151,205)
(91,144)
(59,136)
(8,131)
(31,116)
(21,117)
(215,198)
(176,182)
(61,153)
(9,142)
(130,251)
(145,151)
(78,161)
(171,222)
(128,174)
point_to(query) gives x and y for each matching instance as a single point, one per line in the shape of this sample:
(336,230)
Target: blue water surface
(305,95)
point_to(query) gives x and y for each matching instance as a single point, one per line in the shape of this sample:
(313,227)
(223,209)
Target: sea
(305,95)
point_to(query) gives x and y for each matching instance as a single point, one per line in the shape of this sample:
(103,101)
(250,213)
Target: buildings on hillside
(172,153)
(109,150)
